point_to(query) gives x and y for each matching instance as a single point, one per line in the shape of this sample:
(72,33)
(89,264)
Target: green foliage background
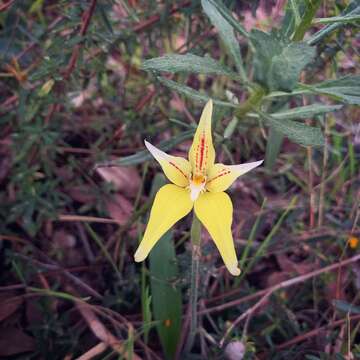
(82,83)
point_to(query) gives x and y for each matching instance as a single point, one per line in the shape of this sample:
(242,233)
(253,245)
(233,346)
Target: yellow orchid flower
(197,183)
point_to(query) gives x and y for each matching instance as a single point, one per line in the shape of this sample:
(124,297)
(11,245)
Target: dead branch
(102,333)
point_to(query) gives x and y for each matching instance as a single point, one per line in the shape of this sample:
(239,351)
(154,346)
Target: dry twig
(282,285)
(94,351)
(102,333)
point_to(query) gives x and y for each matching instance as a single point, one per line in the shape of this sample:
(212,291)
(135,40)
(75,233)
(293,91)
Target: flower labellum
(197,183)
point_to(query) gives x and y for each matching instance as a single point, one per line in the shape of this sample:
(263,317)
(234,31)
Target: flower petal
(202,153)
(176,169)
(214,210)
(170,205)
(221,176)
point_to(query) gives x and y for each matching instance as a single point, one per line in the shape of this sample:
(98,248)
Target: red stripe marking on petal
(197,158)
(202,148)
(222,173)
(206,157)
(177,168)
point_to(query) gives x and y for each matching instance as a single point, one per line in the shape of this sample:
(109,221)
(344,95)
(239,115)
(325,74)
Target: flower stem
(195,231)
(252,102)
(194,281)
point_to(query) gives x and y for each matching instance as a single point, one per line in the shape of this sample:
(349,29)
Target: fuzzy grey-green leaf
(345,89)
(193,94)
(302,112)
(273,146)
(226,33)
(188,63)
(286,67)
(278,63)
(226,14)
(296,131)
(353,9)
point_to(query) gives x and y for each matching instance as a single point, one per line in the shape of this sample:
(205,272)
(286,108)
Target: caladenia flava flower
(197,183)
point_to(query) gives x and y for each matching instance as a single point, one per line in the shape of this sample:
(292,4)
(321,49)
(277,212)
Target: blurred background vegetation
(83,83)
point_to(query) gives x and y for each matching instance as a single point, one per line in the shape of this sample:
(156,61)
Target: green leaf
(192,94)
(346,89)
(166,297)
(187,63)
(346,307)
(353,9)
(296,131)
(286,67)
(230,128)
(310,9)
(273,147)
(302,112)
(266,47)
(145,304)
(278,63)
(221,8)
(226,34)
(291,17)
(337,19)
(305,112)
(295,10)
(295,92)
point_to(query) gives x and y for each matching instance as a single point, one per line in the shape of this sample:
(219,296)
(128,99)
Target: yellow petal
(202,153)
(221,176)
(176,169)
(215,210)
(170,205)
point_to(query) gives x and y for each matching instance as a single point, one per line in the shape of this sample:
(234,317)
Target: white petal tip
(139,257)
(234,270)
(147,144)
(209,106)
(155,152)
(256,164)
(246,167)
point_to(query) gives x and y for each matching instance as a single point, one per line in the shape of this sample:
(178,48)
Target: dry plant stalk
(94,351)
(102,333)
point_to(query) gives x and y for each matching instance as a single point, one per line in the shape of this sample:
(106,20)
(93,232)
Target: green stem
(252,102)
(306,21)
(194,281)
(195,231)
